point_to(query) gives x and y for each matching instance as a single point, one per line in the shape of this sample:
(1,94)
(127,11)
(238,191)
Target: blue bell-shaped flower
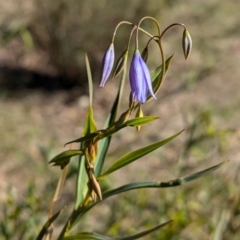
(140,79)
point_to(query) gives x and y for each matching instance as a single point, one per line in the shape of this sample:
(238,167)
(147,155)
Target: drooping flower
(186,43)
(140,79)
(107,64)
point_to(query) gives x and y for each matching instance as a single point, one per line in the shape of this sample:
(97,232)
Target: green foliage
(18,216)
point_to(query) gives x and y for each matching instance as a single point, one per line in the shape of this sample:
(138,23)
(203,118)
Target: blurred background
(44,99)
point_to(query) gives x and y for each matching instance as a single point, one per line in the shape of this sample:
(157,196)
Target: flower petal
(147,78)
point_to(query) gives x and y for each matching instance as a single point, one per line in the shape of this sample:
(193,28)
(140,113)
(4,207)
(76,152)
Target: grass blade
(90,81)
(172,183)
(88,236)
(96,236)
(45,227)
(144,233)
(139,121)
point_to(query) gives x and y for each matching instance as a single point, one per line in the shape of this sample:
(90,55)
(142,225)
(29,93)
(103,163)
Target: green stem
(134,27)
(159,44)
(119,24)
(172,25)
(138,28)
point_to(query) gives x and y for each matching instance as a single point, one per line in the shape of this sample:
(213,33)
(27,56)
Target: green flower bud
(120,64)
(186,43)
(145,54)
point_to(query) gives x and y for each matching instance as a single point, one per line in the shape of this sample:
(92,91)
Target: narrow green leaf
(89,128)
(132,156)
(57,195)
(84,139)
(64,157)
(82,178)
(103,148)
(45,227)
(90,82)
(59,188)
(139,121)
(172,183)
(96,236)
(156,75)
(196,175)
(144,233)
(88,235)
(104,143)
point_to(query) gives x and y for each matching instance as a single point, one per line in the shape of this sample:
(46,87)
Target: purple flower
(140,79)
(107,64)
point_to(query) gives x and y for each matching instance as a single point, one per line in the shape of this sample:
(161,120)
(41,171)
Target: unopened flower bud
(107,64)
(120,64)
(186,43)
(145,54)
(95,186)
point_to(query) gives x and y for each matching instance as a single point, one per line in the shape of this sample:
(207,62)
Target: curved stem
(172,25)
(129,23)
(147,17)
(159,44)
(144,31)
(163,62)
(161,50)
(156,38)
(119,24)
(130,37)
